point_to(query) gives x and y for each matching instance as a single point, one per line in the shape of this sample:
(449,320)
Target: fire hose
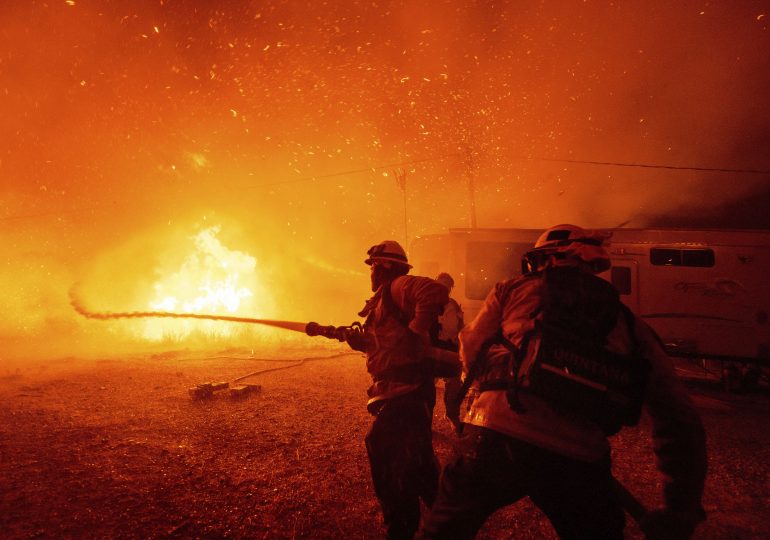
(341,333)
(445,363)
(105,315)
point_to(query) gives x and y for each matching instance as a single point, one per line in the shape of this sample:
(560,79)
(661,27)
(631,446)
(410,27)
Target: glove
(670,524)
(356,340)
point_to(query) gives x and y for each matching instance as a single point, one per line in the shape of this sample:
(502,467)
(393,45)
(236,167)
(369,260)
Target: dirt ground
(116,448)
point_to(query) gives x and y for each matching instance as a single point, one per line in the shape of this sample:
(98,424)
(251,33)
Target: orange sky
(129,127)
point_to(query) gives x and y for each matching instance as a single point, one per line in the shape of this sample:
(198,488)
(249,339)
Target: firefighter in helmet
(403,465)
(539,429)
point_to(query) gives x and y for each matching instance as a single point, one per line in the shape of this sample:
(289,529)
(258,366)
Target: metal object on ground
(206,390)
(197,393)
(241,391)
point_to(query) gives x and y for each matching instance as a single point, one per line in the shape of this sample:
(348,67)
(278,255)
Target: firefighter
(525,435)
(445,334)
(403,464)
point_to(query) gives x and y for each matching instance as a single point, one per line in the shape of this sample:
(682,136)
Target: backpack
(573,371)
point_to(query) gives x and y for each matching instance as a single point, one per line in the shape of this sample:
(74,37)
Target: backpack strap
(517,354)
(390,306)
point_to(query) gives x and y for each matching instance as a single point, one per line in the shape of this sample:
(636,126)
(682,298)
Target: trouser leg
(403,466)
(494,471)
(428,470)
(577,498)
(474,484)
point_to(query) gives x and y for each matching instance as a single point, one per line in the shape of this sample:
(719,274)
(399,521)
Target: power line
(655,166)
(552,160)
(437,158)
(353,171)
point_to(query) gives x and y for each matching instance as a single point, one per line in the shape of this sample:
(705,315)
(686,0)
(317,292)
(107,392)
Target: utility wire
(354,171)
(437,158)
(552,160)
(655,166)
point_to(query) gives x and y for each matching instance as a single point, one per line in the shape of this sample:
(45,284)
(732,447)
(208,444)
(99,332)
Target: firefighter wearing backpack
(558,364)
(403,465)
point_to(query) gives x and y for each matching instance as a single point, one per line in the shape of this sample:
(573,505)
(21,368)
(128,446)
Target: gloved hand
(668,524)
(356,339)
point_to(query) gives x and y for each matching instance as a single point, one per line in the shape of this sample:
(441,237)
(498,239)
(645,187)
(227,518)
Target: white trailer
(705,292)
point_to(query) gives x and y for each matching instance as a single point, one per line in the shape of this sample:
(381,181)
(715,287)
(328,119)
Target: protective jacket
(514,307)
(398,318)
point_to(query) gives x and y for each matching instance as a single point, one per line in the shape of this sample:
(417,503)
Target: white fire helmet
(387,250)
(566,245)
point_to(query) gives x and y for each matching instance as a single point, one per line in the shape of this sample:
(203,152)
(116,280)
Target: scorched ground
(115,448)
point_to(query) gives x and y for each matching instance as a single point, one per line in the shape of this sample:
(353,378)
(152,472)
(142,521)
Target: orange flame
(211,279)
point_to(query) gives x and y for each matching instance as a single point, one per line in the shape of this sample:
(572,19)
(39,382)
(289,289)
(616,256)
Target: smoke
(127,128)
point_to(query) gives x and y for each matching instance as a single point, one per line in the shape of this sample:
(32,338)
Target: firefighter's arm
(679,441)
(480,329)
(428,297)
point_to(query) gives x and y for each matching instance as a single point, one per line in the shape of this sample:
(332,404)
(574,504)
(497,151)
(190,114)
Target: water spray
(106,315)
(445,363)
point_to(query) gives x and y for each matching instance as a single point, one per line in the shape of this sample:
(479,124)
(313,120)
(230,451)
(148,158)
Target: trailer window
(621,279)
(489,262)
(682,257)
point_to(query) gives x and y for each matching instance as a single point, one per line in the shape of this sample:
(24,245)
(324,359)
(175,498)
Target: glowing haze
(239,155)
